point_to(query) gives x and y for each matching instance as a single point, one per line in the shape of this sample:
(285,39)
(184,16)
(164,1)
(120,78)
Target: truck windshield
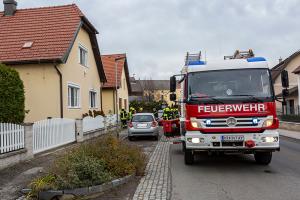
(230,85)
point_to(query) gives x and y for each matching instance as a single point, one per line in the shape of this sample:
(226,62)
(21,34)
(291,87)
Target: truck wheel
(263,158)
(188,157)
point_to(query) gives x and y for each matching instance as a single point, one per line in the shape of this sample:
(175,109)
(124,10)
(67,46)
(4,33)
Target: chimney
(10,7)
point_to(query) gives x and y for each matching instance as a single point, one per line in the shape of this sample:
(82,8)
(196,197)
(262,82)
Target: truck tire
(188,157)
(263,158)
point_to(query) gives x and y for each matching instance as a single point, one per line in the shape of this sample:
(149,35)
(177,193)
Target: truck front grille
(233,122)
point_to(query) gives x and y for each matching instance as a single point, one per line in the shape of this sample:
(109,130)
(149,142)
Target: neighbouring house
(152,90)
(115,92)
(136,90)
(56,53)
(292,65)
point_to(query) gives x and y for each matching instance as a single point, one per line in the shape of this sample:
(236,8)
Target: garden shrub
(97,113)
(41,184)
(120,159)
(77,169)
(93,163)
(12,98)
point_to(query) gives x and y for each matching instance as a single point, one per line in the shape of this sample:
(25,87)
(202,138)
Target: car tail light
(130,125)
(154,124)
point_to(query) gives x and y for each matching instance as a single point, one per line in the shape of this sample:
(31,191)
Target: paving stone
(156,182)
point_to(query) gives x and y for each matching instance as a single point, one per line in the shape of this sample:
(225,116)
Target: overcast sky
(156,34)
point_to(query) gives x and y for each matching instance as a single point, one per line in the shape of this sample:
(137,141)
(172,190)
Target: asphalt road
(237,177)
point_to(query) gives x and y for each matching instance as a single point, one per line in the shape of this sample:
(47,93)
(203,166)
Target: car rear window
(142,118)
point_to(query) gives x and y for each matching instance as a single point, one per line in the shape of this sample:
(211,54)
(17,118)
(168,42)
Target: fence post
(79,130)
(105,124)
(28,131)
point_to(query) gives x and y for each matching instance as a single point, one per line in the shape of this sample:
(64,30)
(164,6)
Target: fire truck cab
(227,106)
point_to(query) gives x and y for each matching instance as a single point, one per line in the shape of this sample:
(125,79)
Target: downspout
(114,99)
(101,97)
(60,91)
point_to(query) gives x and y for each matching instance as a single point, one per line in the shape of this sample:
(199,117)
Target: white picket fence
(91,124)
(111,120)
(51,133)
(11,137)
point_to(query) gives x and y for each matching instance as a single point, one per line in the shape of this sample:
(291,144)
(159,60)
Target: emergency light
(255,121)
(208,122)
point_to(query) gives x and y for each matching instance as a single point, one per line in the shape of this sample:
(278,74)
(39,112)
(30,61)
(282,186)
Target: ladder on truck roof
(192,57)
(240,55)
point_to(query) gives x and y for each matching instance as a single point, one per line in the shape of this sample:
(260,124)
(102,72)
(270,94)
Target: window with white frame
(73,96)
(83,56)
(93,98)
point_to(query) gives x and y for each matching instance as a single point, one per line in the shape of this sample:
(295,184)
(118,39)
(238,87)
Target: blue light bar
(197,62)
(255,121)
(256,59)
(208,122)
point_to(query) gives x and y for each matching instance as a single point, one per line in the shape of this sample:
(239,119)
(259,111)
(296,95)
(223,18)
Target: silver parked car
(143,124)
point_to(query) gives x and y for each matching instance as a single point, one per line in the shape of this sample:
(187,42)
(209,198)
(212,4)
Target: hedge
(12,98)
(289,118)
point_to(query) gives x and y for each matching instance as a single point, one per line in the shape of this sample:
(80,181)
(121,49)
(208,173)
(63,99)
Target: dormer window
(83,56)
(28,44)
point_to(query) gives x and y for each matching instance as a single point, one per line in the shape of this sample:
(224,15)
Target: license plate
(141,125)
(232,138)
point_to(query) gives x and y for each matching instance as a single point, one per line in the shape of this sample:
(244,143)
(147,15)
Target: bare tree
(149,89)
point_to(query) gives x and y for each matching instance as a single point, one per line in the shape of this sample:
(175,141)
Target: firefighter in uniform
(123,116)
(141,109)
(176,113)
(131,113)
(166,114)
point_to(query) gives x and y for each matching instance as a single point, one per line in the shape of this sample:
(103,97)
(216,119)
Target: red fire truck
(227,106)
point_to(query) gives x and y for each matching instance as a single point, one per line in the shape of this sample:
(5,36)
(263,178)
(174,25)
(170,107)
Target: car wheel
(130,138)
(188,157)
(263,158)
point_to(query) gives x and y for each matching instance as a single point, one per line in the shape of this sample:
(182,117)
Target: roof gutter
(60,91)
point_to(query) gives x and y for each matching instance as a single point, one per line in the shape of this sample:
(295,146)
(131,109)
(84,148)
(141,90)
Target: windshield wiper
(247,95)
(209,97)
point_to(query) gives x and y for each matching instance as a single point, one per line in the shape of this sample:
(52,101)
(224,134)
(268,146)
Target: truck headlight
(268,123)
(195,123)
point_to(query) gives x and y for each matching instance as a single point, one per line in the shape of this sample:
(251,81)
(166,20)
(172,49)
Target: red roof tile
(109,64)
(51,29)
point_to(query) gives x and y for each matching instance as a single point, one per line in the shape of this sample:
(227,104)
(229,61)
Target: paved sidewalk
(156,182)
(290,134)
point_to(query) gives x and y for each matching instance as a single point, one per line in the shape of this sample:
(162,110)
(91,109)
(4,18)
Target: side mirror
(284,79)
(173,97)
(172,84)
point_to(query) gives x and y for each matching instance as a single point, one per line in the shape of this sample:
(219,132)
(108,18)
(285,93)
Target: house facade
(290,64)
(152,90)
(56,53)
(115,92)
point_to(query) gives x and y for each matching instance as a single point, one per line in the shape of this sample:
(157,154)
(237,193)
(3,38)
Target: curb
(85,191)
(290,137)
